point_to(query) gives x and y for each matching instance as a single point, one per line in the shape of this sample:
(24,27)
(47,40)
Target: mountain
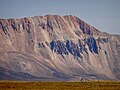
(57,48)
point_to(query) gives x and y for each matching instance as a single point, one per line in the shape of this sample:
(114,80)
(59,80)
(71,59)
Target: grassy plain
(88,85)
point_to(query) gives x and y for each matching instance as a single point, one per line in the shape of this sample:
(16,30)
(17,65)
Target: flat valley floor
(85,85)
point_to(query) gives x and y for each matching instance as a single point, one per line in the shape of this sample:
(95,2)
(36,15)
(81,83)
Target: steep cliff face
(56,47)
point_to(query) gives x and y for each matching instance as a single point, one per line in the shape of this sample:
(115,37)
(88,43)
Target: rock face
(52,47)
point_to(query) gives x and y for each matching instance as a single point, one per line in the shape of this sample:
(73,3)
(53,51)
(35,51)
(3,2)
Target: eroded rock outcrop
(54,47)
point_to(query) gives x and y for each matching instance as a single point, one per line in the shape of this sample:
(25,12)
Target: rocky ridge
(53,47)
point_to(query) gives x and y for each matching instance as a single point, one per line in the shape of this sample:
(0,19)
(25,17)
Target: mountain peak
(56,48)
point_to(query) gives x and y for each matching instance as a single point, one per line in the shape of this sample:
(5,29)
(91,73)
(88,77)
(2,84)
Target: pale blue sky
(102,14)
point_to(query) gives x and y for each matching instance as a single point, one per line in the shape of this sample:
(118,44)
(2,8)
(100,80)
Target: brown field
(90,85)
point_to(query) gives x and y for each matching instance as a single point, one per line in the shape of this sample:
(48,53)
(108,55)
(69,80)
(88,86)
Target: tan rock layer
(25,47)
